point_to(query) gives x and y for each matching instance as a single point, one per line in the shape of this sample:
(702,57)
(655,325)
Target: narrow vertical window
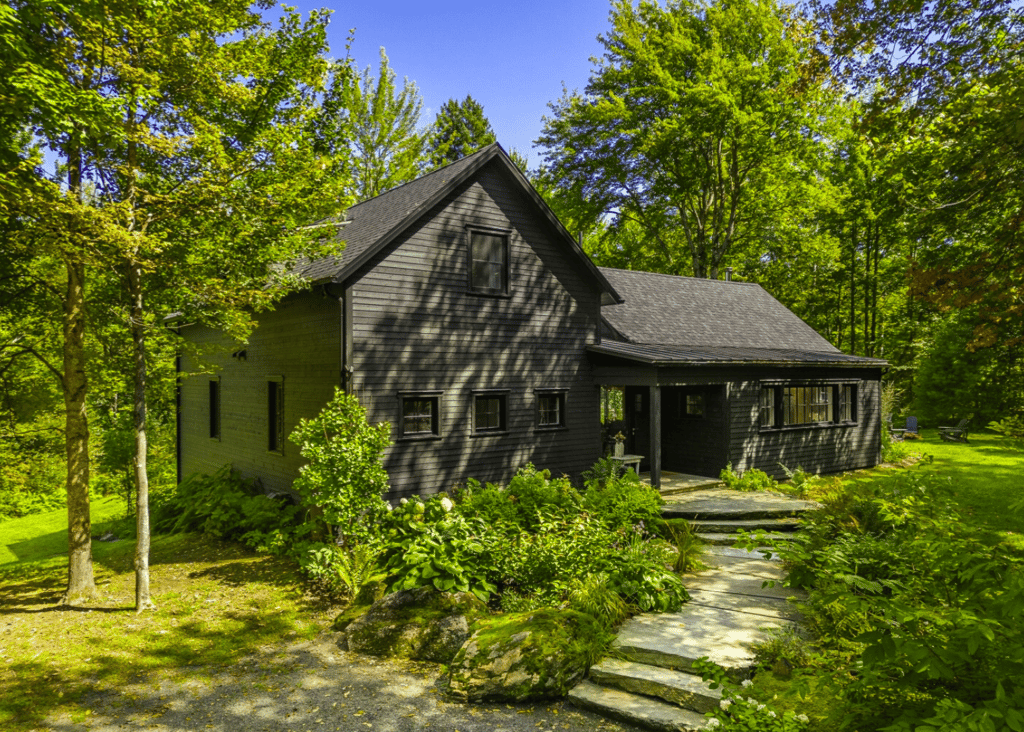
(275,415)
(768,406)
(215,409)
(488,260)
(847,400)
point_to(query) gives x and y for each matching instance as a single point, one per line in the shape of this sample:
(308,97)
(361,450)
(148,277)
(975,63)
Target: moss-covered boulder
(526,656)
(420,624)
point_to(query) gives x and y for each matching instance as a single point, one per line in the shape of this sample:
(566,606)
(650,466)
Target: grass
(45,535)
(216,604)
(985,477)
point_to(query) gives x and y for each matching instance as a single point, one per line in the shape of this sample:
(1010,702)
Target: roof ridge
(679,277)
(425,176)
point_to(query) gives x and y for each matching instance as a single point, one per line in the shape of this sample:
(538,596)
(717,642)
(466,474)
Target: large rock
(526,656)
(420,624)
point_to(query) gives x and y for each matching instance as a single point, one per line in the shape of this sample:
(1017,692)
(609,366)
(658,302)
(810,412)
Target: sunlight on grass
(216,604)
(44,535)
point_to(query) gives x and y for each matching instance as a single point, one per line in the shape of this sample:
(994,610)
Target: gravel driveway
(314,686)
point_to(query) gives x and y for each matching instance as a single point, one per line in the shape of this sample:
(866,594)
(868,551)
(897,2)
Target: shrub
(530,496)
(750,480)
(737,713)
(344,480)
(623,501)
(1012,426)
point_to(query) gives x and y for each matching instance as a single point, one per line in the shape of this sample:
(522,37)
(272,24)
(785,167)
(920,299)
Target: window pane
(695,405)
(275,415)
(550,410)
(489,266)
(768,406)
(488,413)
(418,416)
(806,405)
(215,409)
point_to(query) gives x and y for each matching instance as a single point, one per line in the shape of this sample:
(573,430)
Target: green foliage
(344,479)
(459,129)
(375,123)
(750,480)
(689,547)
(427,543)
(696,131)
(595,596)
(530,496)
(875,563)
(622,501)
(1012,426)
(223,504)
(31,477)
(737,713)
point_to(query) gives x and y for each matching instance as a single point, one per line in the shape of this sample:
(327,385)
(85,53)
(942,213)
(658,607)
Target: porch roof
(677,355)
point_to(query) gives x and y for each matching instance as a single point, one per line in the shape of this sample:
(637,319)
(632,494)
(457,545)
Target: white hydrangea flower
(803,718)
(725,704)
(403,501)
(771,714)
(712,723)
(446,503)
(747,682)
(760,707)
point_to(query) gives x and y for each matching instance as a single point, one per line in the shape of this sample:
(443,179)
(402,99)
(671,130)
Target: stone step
(723,539)
(772,608)
(676,640)
(685,690)
(635,709)
(724,526)
(723,504)
(753,586)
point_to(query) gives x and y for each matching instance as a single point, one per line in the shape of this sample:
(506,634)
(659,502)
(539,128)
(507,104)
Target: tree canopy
(459,129)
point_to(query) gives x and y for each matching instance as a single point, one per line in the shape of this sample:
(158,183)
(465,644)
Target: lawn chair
(955,434)
(911,428)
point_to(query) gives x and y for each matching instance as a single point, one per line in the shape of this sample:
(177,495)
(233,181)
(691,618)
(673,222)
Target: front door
(638,421)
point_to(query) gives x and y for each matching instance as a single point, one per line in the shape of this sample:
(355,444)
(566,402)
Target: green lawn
(45,535)
(986,476)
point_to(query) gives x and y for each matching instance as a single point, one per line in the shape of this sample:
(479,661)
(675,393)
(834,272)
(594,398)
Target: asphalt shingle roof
(372,220)
(726,355)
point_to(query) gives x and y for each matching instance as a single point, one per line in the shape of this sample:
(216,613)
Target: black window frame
(275,415)
(501,395)
(561,399)
(214,407)
(700,401)
(434,398)
(773,410)
(506,236)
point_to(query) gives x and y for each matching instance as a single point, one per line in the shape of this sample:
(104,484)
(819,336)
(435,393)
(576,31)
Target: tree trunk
(81,586)
(138,325)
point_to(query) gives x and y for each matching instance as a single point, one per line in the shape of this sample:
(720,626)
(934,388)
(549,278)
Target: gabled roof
(665,319)
(373,224)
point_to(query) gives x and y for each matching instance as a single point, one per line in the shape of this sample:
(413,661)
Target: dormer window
(488,262)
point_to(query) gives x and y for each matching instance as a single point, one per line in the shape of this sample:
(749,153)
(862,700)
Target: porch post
(656,436)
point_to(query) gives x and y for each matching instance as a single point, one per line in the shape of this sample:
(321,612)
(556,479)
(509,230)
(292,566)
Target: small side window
(768,407)
(490,412)
(275,415)
(488,263)
(214,399)
(420,417)
(551,410)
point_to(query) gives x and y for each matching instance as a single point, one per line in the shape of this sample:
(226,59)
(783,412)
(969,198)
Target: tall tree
(696,125)
(459,130)
(377,122)
(199,174)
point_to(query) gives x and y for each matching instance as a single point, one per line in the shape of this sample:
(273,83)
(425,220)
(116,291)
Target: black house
(465,315)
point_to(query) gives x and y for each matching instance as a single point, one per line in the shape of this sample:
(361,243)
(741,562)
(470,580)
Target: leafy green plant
(737,713)
(750,480)
(622,501)
(427,543)
(689,547)
(594,595)
(530,495)
(1012,426)
(640,574)
(344,480)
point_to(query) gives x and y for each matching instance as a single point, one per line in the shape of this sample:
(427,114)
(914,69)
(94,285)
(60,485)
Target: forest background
(862,161)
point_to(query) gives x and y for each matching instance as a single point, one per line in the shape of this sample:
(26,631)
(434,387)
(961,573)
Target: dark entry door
(638,421)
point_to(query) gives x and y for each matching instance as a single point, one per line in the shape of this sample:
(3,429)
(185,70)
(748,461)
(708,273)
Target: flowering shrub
(737,713)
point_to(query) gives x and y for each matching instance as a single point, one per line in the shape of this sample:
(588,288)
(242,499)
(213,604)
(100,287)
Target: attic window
(488,262)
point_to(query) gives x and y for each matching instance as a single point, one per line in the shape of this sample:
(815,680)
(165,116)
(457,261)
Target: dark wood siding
(299,341)
(828,449)
(416,327)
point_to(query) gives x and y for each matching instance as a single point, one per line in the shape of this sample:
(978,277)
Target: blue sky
(512,57)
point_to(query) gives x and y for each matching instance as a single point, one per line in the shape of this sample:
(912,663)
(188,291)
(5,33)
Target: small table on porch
(629,461)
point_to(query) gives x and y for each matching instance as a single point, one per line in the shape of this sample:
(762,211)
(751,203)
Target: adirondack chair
(912,427)
(955,434)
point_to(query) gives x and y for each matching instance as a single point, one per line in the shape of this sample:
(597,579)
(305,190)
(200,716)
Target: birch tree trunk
(138,328)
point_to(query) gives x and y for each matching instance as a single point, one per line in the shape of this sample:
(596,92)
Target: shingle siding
(416,327)
(298,341)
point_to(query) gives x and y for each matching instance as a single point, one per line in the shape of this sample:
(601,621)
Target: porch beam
(655,436)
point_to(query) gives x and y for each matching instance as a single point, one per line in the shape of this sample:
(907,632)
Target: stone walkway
(647,679)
